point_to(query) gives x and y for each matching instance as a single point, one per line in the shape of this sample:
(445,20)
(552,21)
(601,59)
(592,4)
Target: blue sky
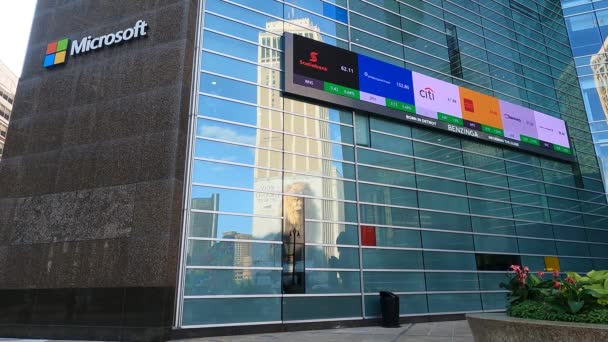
(15,24)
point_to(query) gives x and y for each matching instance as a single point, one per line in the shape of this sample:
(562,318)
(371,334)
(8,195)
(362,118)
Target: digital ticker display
(327,73)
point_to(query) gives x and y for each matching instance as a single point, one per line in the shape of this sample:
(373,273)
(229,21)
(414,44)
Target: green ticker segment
(529,140)
(562,149)
(450,119)
(402,106)
(492,130)
(341,90)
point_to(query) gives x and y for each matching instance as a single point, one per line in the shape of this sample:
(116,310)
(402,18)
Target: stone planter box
(498,327)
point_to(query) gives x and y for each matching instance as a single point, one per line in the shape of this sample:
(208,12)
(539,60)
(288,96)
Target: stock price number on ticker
(347,69)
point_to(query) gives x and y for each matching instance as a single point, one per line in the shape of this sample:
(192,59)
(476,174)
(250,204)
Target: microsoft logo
(56,53)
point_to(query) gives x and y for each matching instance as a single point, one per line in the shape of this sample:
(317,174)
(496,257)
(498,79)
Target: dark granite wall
(91,181)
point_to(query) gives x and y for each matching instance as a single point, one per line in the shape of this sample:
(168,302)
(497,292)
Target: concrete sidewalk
(456,331)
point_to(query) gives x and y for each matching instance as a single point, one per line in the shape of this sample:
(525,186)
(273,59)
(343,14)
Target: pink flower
(570,280)
(526,269)
(515,268)
(555,273)
(540,274)
(557,284)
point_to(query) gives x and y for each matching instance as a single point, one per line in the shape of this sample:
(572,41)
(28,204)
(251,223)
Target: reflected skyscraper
(307,150)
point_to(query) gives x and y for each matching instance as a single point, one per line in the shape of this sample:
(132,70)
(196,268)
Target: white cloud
(227,134)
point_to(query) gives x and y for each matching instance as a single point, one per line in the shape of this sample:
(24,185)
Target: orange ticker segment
(480,108)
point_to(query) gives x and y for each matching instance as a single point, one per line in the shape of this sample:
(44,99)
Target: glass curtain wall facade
(587,24)
(382,205)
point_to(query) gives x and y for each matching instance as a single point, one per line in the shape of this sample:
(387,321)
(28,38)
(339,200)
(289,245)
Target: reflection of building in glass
(306,144)
(8,87)
(242,254)
(207,224)
(600,75)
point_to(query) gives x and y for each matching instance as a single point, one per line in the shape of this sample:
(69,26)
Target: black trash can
(389,305)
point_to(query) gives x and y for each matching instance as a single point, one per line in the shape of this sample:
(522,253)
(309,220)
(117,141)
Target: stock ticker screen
(336,76)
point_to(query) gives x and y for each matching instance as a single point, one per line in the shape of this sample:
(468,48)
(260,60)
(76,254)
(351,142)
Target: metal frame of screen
(293,88)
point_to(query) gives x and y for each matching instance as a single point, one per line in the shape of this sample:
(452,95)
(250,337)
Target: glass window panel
(391,144)
(495,244)
(491,281)
(213,225)
(449,261)
(440,170)
(387,195)
(317,129)
(486,178)
(596,235)
(393,237)
(439,240)
(488,192)
(535,263)
(598,251)
(483,207)
(332,282)
(451,281)
(429,219)
(231,310)
(393,281)
(388,177)
(492,226)
(362,130)
(237,48)
(388,126)
(331,257)
(534,229)
(318,187)
(371,214)
(454,302)
(237,134)
(370,157)
(442,185)
(443,202)
(331,233)
(229,253)
(572,249)
(582,265)
(236,201)
(312,165)
(391,259)
(437,153)
(225,87)
(531,213)
(494,301)
(232,282)
(408,304)
(327,210)
(531,246)
(570,233)
(317,148)
(302,308)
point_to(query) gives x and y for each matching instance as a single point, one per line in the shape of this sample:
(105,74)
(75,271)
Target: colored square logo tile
(49,60)
(468,105)
(62,45)
(51,48)
(60,57)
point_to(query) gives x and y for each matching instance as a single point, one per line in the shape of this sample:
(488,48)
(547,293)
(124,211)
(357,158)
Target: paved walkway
(457,331)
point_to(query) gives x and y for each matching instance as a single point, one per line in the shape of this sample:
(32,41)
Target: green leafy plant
(574,298)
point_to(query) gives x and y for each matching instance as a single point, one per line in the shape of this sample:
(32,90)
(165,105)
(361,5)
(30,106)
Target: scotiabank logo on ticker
(313,57)
(312,62)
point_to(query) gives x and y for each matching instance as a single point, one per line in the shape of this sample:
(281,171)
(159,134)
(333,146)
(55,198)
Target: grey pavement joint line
(402,333)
